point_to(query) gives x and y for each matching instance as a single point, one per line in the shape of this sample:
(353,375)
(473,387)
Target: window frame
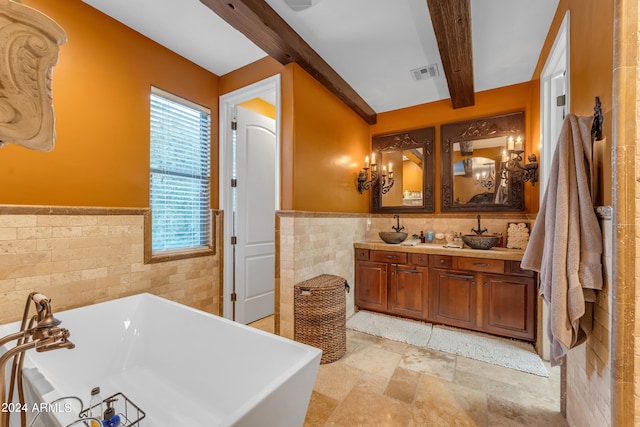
(151,256)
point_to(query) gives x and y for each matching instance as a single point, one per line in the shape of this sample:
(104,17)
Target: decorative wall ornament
(29,44)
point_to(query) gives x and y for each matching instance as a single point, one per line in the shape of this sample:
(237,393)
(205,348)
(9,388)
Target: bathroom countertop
(439,249)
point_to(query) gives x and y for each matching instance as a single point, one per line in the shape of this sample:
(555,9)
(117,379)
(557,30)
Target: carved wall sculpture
(29,44)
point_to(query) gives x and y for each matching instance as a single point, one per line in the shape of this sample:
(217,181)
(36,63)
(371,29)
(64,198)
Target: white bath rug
(393,328)
(505,352)
(487,348)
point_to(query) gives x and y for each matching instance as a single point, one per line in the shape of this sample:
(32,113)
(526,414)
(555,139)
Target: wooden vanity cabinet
(392,282)
(488,295)
(509,304)
(371,285)
(453,298)
(408,291)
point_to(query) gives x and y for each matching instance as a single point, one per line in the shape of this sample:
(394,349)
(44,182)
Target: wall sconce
(511,163)
(486,181)
(386,179)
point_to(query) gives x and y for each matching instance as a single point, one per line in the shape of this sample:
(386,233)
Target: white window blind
(180,172)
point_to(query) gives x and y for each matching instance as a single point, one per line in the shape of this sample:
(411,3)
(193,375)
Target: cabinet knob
(441,261)
(486,284)
(473,283)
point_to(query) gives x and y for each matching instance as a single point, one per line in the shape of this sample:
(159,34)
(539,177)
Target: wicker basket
(320,315)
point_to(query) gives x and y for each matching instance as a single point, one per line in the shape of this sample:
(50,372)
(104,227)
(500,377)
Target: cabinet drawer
(389,256)
(362,254)
(443,261)
(481,264)
(420,259)
(514,268)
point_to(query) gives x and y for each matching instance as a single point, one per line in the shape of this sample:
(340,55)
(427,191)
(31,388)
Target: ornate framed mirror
(473,159)
(411,155)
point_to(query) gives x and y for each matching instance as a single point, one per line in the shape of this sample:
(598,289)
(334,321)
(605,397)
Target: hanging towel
(565,245)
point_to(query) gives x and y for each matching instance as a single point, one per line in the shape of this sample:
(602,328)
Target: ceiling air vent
(300,4)
(426,72)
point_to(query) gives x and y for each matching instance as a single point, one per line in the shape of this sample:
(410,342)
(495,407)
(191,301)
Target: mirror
(473,156)
(410,156)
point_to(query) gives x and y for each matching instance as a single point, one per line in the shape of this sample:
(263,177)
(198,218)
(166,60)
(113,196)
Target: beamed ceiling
(363,51)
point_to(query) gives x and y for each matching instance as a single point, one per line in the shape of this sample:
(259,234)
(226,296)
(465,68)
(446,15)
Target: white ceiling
(372,44)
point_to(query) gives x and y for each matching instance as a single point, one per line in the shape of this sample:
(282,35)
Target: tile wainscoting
(309,244)
(80,256)
(589,366)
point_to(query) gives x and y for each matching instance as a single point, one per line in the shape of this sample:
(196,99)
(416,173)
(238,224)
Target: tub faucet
(42,333)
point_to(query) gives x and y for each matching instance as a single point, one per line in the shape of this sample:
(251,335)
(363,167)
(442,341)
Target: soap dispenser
(95,406)
(110,419)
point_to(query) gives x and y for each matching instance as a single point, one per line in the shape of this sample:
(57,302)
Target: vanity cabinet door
(509,305)
(408,291)
(371,285)
(453,298)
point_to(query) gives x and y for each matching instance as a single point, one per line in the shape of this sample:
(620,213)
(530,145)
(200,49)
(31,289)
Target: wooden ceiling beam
(414,156)
(264,27)
(452,24)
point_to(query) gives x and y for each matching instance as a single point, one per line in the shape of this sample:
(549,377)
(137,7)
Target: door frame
(226,114)
(557,60)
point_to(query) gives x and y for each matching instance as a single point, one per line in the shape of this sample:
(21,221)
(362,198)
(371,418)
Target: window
(180,175)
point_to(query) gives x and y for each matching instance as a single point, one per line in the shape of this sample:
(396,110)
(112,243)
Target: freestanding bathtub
(181,366)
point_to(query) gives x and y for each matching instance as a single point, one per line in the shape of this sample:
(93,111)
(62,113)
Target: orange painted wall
(331,142)
(101,99)
(323,142)
(520,97)
(260,106)
(591,71)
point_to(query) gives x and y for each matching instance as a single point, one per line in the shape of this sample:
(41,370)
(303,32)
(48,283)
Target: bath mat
(393,328)
(487,348)
(505,352)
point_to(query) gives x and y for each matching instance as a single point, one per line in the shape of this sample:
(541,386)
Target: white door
(255,208)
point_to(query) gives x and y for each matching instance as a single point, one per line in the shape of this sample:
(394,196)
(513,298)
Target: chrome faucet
(43,334)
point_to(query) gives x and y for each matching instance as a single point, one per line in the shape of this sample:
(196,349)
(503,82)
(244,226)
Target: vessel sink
(478,241)
(393,237)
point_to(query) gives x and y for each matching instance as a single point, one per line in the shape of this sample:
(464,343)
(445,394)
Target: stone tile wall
(311,244)
(588,371)
(81,259)
(444,223)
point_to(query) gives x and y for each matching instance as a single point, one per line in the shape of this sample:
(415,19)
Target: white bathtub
(182,366)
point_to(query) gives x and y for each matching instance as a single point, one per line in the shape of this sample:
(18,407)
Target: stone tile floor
(381,382)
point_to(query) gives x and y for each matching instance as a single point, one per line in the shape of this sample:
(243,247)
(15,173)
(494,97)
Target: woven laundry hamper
(320,315)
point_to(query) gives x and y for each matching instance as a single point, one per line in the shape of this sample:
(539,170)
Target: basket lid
(322,281)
